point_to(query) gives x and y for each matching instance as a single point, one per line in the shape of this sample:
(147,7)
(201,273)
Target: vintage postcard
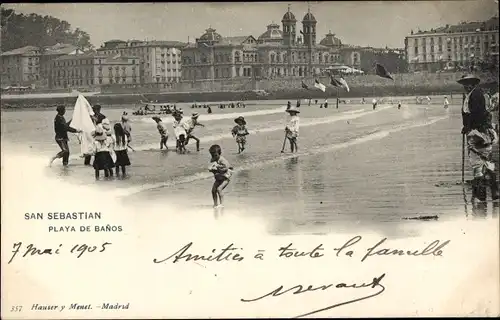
(250,159)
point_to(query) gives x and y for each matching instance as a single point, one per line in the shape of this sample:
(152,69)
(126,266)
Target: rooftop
(161,43)
(288,16)
(330,40)
(273,33)
(85,55)
(489,25)
(234,40)
(21,51)
(137,43)
(60,48)
(309,17)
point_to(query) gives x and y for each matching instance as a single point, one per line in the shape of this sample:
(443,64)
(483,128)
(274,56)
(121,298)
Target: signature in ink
(300,289)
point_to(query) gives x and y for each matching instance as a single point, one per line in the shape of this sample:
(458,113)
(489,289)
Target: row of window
(168,62)
(456,57)
(471,47)
(158,70)
(16,77)
(274,58)
(461,39)
(67,63)
(81,82)
(245,72)
(166,79)
(136,51)
(86,73)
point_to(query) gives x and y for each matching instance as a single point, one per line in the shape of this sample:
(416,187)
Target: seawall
(238,90)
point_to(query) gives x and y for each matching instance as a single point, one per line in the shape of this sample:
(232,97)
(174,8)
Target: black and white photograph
(250,159)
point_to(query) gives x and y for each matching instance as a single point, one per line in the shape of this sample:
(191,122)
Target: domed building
(331,41)
(275,53)
(209,37)
(272,35)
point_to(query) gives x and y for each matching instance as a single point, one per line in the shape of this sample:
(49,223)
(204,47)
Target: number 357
(16,309)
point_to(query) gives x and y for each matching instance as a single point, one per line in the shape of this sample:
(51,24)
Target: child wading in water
(127,129)
(102,159)
(446,102)
(162,129)
(222,171)
(189,125)
(240,132)
(292,128)
(121,143)
(180,132)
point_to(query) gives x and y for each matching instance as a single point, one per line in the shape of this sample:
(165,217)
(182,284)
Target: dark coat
(479,118)
(61,127)
(98,117)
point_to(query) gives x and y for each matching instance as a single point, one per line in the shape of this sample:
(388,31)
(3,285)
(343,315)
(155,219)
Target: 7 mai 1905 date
(77,250)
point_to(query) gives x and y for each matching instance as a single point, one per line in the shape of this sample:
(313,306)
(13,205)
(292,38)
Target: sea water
(356,168)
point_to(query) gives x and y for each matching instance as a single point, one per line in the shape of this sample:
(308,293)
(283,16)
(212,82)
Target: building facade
(452,46)
(93,70)
(31,65)
(275,53)
(21,67)
(49,54)
(160,61)
(365,58)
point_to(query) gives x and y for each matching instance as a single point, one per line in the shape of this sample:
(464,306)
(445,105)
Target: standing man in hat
(97,119)
(61,128)
(292,128)
(478,131)
(189,125)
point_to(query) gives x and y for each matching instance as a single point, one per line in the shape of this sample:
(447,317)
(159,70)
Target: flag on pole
(382,72)
(344,84)
(319,85)
(305,86)
(334,82)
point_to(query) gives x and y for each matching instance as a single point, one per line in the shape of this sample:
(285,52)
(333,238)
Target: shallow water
(356,168)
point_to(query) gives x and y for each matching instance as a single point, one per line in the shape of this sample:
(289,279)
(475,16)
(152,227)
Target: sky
(364,23)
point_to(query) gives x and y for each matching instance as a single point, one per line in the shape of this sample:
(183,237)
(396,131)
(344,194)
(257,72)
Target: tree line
(19,30)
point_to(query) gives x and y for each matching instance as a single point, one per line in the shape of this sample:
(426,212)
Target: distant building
(21,66)
(160,61)
(365,58)
(452,46)
(54,52)
(30,65)
(275,53)
(93,70)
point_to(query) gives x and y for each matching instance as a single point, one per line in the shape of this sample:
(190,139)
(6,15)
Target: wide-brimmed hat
(195,115)
(240,119)
(293,109)
(469,79)
(106,125)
